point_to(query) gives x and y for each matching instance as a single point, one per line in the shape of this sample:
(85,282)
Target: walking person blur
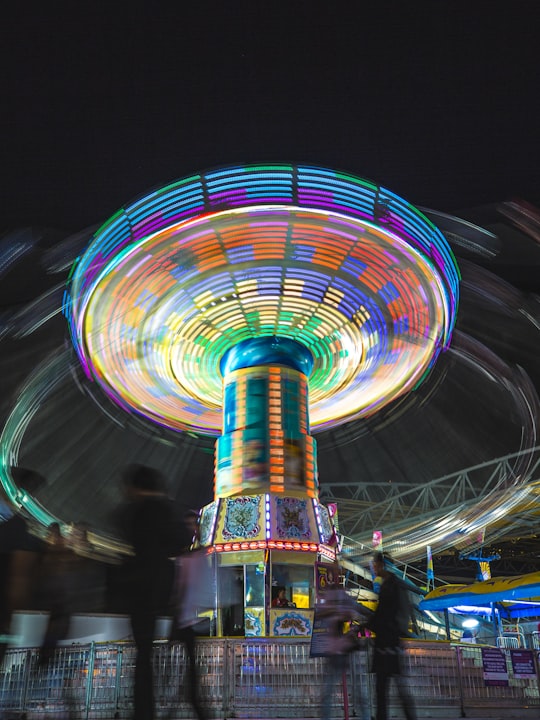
(338,612)
(390,624)
(54,585)
(147,522)
(20,551)
(88,586)
(53,594)
(193,591)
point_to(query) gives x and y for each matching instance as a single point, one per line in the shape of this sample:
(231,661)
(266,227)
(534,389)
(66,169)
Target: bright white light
(470,623)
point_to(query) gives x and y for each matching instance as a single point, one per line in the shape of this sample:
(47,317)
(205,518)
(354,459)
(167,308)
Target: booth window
(297,581)
(255,585)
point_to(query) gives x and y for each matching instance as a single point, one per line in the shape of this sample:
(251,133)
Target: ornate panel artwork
(291,624)
(208,521)
(327,531)
(254,622)
(292,519)
(242,518)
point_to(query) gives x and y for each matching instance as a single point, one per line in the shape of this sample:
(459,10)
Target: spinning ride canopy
(176,279)
(517,596)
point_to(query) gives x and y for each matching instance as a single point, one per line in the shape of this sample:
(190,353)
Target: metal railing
(511,640)
(248,679)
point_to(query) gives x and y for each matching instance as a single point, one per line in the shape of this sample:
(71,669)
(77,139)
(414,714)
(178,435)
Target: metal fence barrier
(511,640)
(475,692)
(247,679)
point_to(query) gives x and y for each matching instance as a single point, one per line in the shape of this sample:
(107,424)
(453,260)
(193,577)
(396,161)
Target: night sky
(102,102)
(437,101)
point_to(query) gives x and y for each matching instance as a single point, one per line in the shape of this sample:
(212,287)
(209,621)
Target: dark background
(101,101)
(437,101)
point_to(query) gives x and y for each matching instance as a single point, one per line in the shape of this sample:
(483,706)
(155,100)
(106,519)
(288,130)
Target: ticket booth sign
(494,663)
(326,575)
(523,664)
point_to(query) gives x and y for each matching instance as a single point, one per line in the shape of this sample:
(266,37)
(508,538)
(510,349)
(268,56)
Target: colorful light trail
(349,270)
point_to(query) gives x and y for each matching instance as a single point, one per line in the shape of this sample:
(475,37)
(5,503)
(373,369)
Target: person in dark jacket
(390,624)
(148,523)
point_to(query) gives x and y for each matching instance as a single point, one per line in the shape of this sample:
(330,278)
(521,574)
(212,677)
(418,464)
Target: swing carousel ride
(260,305)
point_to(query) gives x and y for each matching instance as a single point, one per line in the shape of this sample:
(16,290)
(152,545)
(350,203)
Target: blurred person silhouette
(194,591)
(147,522)
(390,623)
(79,540)
(54,588)
(340,614)
(89,573)
(20,551)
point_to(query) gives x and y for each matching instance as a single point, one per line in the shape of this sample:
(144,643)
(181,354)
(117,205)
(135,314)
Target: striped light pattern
(265,441)
(342,266)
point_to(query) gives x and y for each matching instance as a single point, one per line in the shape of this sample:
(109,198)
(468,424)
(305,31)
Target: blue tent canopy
(517,596)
